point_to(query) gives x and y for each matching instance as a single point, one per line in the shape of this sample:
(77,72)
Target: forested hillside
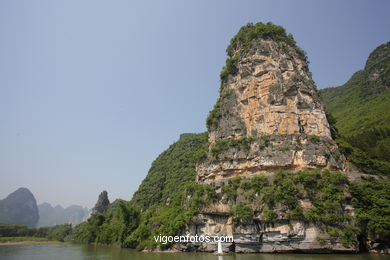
(361,108)
(156,207)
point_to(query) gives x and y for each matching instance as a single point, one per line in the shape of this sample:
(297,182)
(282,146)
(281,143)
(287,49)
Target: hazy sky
(92,91)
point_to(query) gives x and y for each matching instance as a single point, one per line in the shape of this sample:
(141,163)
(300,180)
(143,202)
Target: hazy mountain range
(20,207)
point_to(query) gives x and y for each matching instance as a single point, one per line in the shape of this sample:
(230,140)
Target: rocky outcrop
(267,93)
(269,116)
(260,236)
(267,153)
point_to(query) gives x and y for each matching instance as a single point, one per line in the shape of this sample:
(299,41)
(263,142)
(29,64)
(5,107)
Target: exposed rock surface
(267,94)
(269,116)
(260,236)
(271,92)
(267,153)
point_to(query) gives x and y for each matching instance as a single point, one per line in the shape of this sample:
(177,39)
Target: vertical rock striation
(269,114)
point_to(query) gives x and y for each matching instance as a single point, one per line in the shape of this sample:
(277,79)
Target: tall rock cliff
(269,114)
(269,117)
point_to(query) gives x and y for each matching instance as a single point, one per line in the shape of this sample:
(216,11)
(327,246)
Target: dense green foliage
(229,69)
(249,33)
(128,227)
(169,219)
(371,198)
(362,160)
(58,232)
(326,192)
(173,167)
(161,204)
(242,214)
(110,227)
(242,142)
(360,109)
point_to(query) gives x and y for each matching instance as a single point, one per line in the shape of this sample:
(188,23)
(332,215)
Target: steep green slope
(173,167)
(361,109)
(157,206)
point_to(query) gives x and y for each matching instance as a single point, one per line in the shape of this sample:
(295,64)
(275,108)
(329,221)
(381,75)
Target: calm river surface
(77,252)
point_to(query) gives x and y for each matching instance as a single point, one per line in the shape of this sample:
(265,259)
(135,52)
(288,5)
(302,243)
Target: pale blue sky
(92,91)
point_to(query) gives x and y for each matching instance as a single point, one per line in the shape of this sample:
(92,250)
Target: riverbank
(7,241)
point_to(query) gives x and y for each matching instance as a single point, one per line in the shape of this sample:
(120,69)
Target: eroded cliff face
(269,116)
(268,153)
(267,98)
(260,236)
(258,227)
(270,91)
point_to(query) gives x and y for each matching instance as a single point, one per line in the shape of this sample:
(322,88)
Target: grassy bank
(26,240)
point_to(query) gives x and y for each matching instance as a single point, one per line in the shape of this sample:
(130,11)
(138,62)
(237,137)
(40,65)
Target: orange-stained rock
(269,94)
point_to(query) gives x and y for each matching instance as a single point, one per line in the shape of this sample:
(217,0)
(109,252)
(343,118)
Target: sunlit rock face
(269,101)
(271,92)
(260,237)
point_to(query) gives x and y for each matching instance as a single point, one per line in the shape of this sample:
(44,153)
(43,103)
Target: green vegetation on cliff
(173,167)
(371,198)
(247,34)
(361,111)
(316,197)
(111,227)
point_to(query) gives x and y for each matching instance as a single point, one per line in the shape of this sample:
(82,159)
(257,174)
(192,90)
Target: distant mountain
(19,207)
(361,111)
(51,216)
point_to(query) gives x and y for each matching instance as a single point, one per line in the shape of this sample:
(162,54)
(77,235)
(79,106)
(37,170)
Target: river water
(78,252)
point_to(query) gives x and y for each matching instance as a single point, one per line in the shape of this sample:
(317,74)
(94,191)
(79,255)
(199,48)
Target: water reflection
(80,252)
